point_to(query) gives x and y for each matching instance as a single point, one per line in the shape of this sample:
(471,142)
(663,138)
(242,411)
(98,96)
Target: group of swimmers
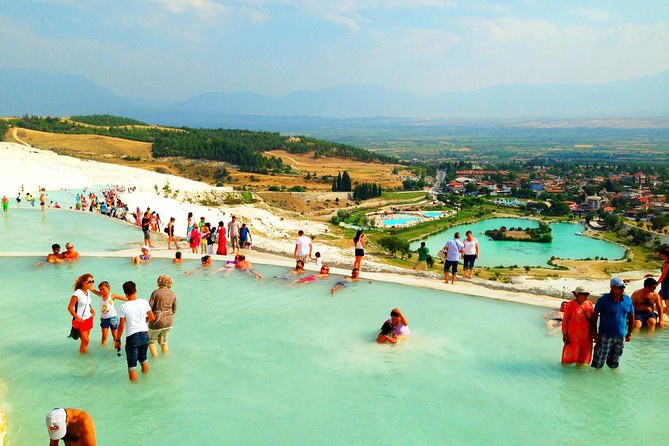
(56,256)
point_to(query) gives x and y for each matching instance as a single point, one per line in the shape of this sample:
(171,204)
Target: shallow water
(256,362)
(32,230)
(565,245)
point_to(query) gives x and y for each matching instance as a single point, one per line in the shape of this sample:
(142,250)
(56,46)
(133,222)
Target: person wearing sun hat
(616,313)
(75,427)
(145,256)
(576,330)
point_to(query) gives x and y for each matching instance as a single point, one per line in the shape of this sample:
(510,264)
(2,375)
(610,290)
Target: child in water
(386,334)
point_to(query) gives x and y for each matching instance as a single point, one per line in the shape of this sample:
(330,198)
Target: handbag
(74,331)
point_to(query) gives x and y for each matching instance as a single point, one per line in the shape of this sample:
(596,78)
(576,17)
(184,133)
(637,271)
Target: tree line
(364,191)
(106,120)
(342,182)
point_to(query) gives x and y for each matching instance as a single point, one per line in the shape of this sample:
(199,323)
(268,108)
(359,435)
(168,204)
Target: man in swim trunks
(454,249)
(75,427)
(346,281)
(647,306)
(42,199)
(245,265)
(5,204)
(55,256)
(233,234)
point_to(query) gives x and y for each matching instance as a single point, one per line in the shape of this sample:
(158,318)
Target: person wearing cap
(145,256)
(615,313)
(647,306)
(75,427)
(135,315)
(576,331)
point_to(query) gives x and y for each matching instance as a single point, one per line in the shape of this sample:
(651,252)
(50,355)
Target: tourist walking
(146,227)
(359,243)
(616,311)
(233,235)
(163,303)
(171,238)
(222,249)
(471,253)
(135,315)
(108,315)
(303,247)
(453,249)
(423,252)
(576,329)
(74,426)
(81,310)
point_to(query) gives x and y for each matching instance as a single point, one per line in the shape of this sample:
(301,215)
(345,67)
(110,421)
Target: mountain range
(33,92)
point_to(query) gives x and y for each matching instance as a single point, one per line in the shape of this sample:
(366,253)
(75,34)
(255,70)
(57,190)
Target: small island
(542,234)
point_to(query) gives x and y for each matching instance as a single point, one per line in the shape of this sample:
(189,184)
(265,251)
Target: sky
(175,49)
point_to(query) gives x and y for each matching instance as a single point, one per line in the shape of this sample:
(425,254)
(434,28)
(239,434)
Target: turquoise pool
(33,230)
(400,219)
(257,363)
(566,244)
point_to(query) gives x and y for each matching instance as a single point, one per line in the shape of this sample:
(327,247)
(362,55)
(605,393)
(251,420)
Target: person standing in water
(81,310)
(135,316)
(5,204)
(74,426)
(163,303)
(108,316)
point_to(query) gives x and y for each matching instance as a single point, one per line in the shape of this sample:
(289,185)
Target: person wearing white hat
(576,330)
(145,256)
(616,313)
(75,427)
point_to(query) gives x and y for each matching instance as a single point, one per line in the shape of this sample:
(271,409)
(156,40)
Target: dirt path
(17,139)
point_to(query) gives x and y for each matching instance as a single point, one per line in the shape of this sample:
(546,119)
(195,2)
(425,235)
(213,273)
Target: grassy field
(410,195)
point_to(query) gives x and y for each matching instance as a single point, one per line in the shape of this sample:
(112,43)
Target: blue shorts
(110,322)
(343,283)
(136,347)
(451,265)
(643,316)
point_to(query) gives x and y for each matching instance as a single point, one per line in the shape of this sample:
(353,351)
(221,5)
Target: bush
(274,188)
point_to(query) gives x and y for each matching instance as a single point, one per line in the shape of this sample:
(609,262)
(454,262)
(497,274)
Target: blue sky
(179,48)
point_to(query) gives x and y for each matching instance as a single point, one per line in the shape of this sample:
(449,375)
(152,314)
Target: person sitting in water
(245,265)
(177,258)
(346,281)
(299,270)
(386,334)
(647,306)
(554,319)
(324,274)
(70,254)
(399,323)
(75,427)
(144,257)
(55,256)
(205,262)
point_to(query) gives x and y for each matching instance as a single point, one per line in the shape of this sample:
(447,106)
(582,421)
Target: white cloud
(591,14)
(213,11)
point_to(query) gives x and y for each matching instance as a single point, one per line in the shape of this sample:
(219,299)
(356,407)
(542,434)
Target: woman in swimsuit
(324,274)
(81,310)
(359,243)
(170,234)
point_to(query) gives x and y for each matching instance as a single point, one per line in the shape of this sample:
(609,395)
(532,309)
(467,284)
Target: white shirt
(83,303)
(134,312)
(470,247)
(107,309)
(319,262)
(303,243)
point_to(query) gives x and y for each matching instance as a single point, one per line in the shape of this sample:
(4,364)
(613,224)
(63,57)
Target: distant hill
(33,92)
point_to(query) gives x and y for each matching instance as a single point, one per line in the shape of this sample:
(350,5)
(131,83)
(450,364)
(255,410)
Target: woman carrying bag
(81,310)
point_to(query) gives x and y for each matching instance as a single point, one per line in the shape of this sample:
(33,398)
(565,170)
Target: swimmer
(324,274)
(399,323)
(299,270)
(346,281)
(70,254)
(55,256)
(245,266)
(386,334)
(205,262)
(554,322)
(177,260)
(144,257)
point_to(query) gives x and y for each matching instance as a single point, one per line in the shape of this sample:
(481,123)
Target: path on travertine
(16,137)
